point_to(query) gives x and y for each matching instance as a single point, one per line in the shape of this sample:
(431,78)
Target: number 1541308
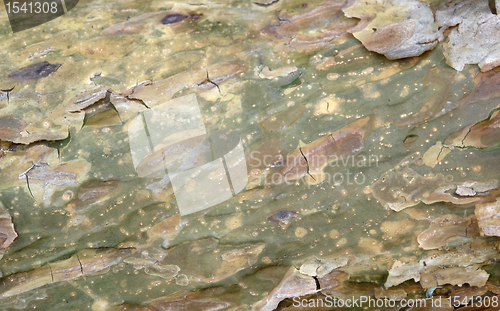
(479,301)
(31,7)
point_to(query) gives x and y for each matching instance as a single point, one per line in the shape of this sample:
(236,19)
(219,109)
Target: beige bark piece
(294,284)
(403,187)
(158,92)
(454,276)
(186,300)
(334,284)
(488,218)
(389,37)
(322,266)
(463,193)
(135,25)
(345,142)
(127,109)
(435,154)
(399,29)
(313,28)
(396,28)
(401,272)
(84,262)
(477,37)
(469,256)
(87,99)
(444,229)
(483,134)
(7,232)
(29,124)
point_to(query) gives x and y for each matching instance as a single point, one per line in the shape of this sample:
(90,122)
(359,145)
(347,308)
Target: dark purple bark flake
(34,71)
(282,216)
(195,16)
(13,147)
(172,18)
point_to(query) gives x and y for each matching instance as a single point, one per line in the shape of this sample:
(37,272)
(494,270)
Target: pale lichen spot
(300,232)
(341,242)
(334,234)
(370,91)
(234,222)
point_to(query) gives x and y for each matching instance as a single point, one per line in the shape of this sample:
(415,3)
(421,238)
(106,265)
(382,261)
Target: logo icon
(170,141)
(31,13)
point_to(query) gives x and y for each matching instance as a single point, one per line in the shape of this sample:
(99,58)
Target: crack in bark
(108,99)
(145,83)
(207,80)
(140,101)
(307,163)
(429,42)
(318,286)
(81,267)
(477,123)
(26,173)
(282,19)
(290,42)
(441,150)
(51,273)
(59,145)
(466,134)
(7,91)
